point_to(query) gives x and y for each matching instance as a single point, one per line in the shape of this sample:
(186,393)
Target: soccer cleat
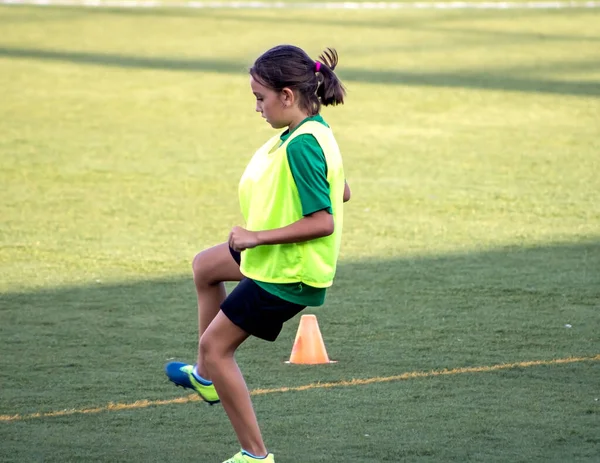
(181,374)
(243,457)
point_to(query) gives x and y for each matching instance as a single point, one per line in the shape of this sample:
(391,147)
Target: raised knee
(200,267)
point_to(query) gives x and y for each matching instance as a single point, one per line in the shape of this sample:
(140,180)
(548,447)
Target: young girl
(291,197)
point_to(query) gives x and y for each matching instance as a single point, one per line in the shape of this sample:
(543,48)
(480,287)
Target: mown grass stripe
(344,383)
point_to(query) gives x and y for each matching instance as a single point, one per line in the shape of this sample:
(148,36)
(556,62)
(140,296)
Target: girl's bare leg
(217,348)
(211,268)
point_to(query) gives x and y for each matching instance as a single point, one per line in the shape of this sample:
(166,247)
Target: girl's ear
(287,97)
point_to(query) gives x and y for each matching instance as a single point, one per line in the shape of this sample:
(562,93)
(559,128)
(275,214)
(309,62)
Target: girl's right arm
(310,227)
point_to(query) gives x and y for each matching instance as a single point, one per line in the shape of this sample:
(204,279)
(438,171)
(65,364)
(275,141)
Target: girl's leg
(211,268)
(217,346)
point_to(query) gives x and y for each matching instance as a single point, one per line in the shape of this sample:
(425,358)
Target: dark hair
(314,82)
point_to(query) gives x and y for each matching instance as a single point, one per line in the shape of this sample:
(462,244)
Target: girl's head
(288,84)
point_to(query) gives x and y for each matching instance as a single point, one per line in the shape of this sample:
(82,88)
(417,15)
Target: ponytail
(330,90)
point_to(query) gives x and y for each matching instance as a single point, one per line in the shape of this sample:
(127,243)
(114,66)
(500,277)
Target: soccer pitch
(466,312)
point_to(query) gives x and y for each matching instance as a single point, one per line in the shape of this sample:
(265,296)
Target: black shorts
(256,311)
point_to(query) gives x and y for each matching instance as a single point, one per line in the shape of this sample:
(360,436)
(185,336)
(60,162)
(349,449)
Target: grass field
(471,252)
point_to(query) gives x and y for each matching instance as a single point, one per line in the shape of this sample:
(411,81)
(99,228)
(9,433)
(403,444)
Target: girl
(285,257)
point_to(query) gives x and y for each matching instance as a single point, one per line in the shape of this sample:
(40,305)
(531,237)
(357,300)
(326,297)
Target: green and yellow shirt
(293,175)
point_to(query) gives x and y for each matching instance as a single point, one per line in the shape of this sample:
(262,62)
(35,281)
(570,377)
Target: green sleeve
(309,169)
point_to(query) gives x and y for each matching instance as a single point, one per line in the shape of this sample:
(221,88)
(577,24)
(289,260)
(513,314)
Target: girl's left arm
(347,192)
(309,227)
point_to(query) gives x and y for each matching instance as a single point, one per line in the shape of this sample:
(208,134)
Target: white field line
(309,5)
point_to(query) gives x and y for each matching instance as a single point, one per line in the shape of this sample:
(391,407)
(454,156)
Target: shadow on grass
(475,308)
(125,61)
(88,346)
(77,347)
(487,80)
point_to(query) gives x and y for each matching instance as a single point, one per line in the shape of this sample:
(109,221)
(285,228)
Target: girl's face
(271,105)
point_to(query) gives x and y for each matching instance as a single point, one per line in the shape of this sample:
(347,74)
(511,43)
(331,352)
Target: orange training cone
(309,348)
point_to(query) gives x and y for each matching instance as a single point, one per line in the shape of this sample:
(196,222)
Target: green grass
(471,143)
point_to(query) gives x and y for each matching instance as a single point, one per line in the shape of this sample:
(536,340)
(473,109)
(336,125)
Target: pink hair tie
(317,66)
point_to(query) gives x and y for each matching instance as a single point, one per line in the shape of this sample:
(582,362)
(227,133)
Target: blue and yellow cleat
(182,375)
(243,457)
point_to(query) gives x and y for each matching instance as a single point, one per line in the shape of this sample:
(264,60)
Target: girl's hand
(241,239)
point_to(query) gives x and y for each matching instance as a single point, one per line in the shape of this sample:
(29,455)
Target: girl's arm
(347,192)
(309,227)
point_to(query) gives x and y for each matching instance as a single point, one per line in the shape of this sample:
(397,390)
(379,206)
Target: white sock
(199,377)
